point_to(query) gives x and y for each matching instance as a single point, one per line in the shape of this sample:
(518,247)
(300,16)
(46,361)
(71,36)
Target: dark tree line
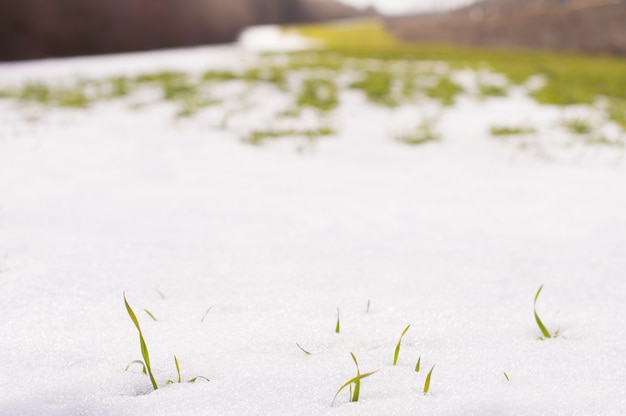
(43,28)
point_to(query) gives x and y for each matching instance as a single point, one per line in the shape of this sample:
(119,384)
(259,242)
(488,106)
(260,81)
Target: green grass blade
(303,350)
(150,315)
(542,327)
(418,365)
(369,303)
(177,367)
(142,342)
(506,376)
(397,351)
(161,295)
(427,382)
(338,326)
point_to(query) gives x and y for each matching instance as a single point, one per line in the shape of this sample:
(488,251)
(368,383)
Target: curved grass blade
(427,382)
(161,295)
(338,326)
(418,365)
(193,380)
(542,327)
(303,350)
(130,364)
(142,342)
(396,354)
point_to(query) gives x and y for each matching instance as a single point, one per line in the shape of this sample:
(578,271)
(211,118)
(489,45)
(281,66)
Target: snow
(453,238)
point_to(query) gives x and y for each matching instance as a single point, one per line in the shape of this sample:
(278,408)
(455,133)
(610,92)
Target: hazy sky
(403,6)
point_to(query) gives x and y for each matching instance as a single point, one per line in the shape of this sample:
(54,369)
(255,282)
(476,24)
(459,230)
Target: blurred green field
(570,78)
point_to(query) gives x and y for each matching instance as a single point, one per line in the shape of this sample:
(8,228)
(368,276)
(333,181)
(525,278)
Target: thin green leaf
(338,326)
(427,382)
(161,295)
(396,354)
(177,367)
(540,324)
(506,376)
(303,350)
(168,382)
(142,342)
(418,365)
(150,315)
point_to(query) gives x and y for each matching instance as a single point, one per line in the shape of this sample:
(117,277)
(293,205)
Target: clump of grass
(396,353)
(355,393)
(501,130)
(303,350)
(119,87)
(427,381)
(145,363)
(487,91)
(424,133)
(258,137)
(219,76)
(578,126)
(445,91)
(377,86)
(318,93)
(542,327)
(274,75)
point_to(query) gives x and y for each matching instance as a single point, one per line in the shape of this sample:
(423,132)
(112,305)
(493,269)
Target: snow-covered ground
(453,237)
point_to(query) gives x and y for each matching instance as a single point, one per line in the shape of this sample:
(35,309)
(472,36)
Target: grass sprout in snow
(424,133)
(151,315)
(396,353)
(427,382)
(303,350)
(146,366)
(356,391)
(501,130)
(143,346)
(338,324)
(542,327)
(418,365)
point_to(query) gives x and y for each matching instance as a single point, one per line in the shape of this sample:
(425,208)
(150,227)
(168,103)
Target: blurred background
(31,29)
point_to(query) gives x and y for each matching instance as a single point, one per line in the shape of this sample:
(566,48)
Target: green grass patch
(258,137)
(425,132)
(488,91)
(501,130)
(445,90)
(318,93)
(571,78)
(578,126)
(617,111)
(377,86)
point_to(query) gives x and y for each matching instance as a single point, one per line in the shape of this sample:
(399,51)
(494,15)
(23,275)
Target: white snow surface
(453,238)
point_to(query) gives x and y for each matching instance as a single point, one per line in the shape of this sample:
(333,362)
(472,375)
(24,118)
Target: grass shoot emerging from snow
(396,353)
(143,346)
(147,368)
(418,365)
(356,391)
(542,327)
(303,350)
(338,324)
(427,381)
(425,132)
